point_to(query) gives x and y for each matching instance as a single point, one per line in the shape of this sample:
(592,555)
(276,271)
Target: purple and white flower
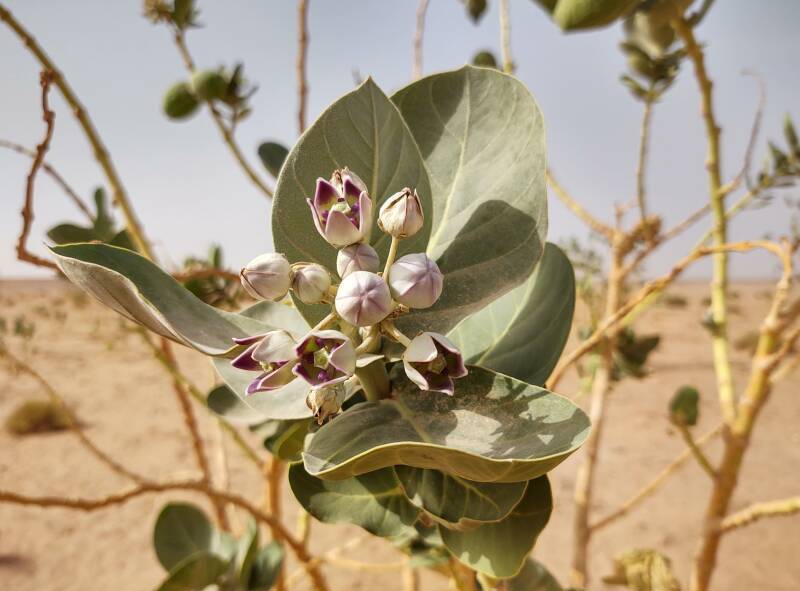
(432,362)
(272,354)
(363,299)
(416,281)
(325,358)
(341,209)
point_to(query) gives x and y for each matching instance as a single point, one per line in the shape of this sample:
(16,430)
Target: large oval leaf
(500,549)
(455,502)
(139,290)
(494,429)
(364,131)
(182,530)
(534,577)
(195,573)
(523,333)
(374,501)
(482,137)
(222,401)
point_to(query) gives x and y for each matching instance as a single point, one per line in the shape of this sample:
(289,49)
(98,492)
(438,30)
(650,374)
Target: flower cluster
(363,304)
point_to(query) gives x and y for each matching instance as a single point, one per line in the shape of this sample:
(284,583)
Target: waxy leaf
(223,402)
(266,567)
(364,131)
(374,501)
(195,573)
(494,429)
(139,290)
(533,577)
(284,439)
(182,530)
(272,156)
(482,137)
(455,502)
(500,549)
(523,333)
(246,550)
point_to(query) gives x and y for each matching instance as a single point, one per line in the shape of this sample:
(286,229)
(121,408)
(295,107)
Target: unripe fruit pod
(484,59)
(587,14)
(179,101)
(684,406)
(209,85)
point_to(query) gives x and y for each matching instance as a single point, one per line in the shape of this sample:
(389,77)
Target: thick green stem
(375,381)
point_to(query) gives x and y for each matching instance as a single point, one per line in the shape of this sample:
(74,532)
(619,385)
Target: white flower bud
(363,299)
(310,282)
(401,214)
(326,402)
(357,257)
(267,277)
(416,281)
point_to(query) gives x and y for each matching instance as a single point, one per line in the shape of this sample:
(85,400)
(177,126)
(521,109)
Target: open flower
(357,257)
(326,402)
(325,358)
(267,277)
(341,209)
(432,361)
(310,282)
(401,214)
(272,354)
(416,281)
(363,299)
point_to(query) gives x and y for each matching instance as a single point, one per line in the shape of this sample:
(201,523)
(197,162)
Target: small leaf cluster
(212,289)
(103,228)
(218,87)
(196,555)
(181,14)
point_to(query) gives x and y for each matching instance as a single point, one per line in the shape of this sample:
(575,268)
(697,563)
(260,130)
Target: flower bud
(325,358)
(341,209)
(326,402)
(432,361)
(416,281)
(310,282)
(401,214)
(267,277)
(272,354)
(357,257)
(684,406)
(363,299)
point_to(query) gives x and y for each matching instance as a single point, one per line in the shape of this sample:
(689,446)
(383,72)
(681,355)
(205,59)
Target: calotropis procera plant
(410,314)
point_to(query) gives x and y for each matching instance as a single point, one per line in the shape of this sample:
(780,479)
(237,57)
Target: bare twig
(102,156)
(54,174)
(505,37)
(599,227)
(757,511)
(302,53)
(641,166)
(751,142)
(419,33)
(651,487)
(45,79)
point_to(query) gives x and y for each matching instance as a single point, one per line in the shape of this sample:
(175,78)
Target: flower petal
(324,196)
(340,231)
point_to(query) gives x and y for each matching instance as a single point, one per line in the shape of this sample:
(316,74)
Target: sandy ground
(125,400)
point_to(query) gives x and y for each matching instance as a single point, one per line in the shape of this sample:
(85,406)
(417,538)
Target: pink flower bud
(363,299)
(326,402)
(432,361)
(341,209)
(401,214)
(310,282)
(271,354)
(416,281)
(325,358)
(357,257)
(267,277)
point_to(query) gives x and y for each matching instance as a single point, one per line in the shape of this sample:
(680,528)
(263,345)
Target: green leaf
(195,573)
(266,566)
(246,551)
(494,429)
(364,131)
(523,333)
(482,136)
(139,290)
(69,233)
(103,222)
(182,530)
(285,439)
(272,157)
(374,501)
(223,402)
(587,14)
(500,549)
(533,577)
(455,502)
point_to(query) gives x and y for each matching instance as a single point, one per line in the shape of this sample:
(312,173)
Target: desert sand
(124,399)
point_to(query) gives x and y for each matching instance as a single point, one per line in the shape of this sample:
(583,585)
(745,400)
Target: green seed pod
(179,102)
(476,8)
(484,59)
(209,85)
(683,408)
(587,14)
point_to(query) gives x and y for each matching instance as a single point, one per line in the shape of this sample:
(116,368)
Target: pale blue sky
(189,193)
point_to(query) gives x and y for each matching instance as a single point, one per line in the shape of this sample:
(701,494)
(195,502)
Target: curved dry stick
(302,54)
(45,79)
(603,229)
(505,38)
(419,32)
(100,152)
(758,511)
(54,174)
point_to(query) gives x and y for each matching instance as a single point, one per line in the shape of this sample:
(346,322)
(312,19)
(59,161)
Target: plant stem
(505,38)
(641,167)
(759,511)
(302,53)
(390,257)
(419,32)
(375,381)
(696,451)
(102,156)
